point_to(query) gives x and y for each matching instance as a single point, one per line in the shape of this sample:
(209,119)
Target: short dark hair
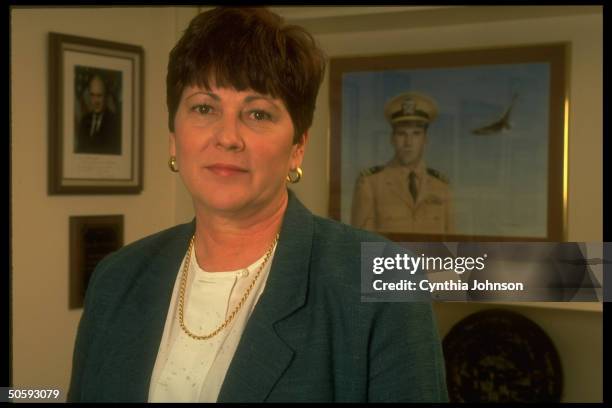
(248,47)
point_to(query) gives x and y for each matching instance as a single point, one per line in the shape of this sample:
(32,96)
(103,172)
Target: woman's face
(233,149)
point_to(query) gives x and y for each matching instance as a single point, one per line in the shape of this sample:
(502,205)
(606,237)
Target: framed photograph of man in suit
(451,146)
(95,116)
(97,111)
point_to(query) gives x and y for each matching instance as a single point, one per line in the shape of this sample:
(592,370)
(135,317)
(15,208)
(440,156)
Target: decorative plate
(497,355)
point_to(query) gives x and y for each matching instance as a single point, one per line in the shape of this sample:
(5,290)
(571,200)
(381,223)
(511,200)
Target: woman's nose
(228,134)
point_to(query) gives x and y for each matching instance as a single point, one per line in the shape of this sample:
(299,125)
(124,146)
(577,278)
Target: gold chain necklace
(236,309)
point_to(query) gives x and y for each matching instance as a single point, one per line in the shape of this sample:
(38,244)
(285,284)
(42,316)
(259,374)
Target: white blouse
(189,370)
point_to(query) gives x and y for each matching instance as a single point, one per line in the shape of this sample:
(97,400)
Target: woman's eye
(202,109)
(260,115)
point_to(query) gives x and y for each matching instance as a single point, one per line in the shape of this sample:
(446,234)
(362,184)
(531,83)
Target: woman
(257,299)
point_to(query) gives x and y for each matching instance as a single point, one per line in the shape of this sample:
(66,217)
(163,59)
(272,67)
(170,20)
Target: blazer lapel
(147,301)
(262,356)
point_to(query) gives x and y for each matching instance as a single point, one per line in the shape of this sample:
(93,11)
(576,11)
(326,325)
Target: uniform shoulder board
(372,170)
(438,175)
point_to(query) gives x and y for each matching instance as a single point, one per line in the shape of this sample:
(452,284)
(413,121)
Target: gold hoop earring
(172,164)
(295,176)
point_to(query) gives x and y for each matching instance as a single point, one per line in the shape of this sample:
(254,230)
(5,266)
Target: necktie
(94,124)
(412,185)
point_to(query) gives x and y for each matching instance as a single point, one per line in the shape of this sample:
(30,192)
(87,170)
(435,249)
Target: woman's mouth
(223,169)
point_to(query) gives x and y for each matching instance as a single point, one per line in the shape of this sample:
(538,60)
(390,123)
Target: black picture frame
(96,105)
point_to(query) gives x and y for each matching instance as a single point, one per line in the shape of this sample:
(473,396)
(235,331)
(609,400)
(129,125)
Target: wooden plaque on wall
(91,239)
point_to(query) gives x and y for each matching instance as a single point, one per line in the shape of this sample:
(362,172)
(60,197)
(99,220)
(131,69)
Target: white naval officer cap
(411,106)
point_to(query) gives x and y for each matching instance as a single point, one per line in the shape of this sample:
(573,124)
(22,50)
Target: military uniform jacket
(309,338)
(382,201)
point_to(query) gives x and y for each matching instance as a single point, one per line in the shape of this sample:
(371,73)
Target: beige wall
(43,327)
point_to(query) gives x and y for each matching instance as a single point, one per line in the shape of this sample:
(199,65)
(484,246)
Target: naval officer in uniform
(404,195)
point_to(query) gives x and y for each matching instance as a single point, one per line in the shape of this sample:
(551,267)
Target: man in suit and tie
(99,130)
(405,196)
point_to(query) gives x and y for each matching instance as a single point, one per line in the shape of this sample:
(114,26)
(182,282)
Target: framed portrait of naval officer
(95,116)
(451,146)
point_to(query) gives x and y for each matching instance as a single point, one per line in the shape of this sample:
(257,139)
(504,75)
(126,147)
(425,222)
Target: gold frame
(556,54)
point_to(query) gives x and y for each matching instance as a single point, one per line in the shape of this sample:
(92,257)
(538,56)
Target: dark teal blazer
(309,338)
